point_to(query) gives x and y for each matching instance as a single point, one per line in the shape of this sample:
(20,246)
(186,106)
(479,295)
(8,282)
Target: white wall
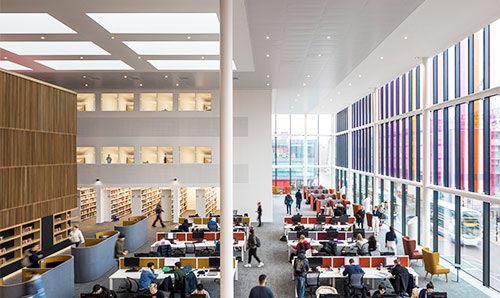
(252,147)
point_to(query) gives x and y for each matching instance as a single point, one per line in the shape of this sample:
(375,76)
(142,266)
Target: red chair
(369,220)
(410,247)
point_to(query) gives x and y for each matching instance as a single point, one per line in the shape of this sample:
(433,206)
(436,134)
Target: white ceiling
(316,48)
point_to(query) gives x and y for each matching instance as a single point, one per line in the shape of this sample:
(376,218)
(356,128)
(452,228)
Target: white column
(376,143)
(103,205)
(306,149)
(425,192)
(176,197)
(226,147)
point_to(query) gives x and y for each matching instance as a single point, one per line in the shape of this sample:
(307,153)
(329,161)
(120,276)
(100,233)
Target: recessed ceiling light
(48,48)
(359,76)
(86,85)
(267,55)
(350,84)
(338,92)
(12,66)
(140,84)
(406,37)
(189,37)
(381,57)
(158,23)
(166,76)
(42,37)
(85,65)
(112,37)
(268,84)
(5,58)
(84,77)
(331,99)
(181,65)
(174,47)
(268,76)
(177,85)
(319,55)
(268,37)
(298,95)
(124,77)
(139,57)
(202,57)
(328,37)
(304,84)
(308,76)
(32,23)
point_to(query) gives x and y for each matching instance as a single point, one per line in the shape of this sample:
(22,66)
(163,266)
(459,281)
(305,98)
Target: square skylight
(12,66)
(85,64)
(32,23)
(44,48)
(174,47)
(158,23)
(186,65)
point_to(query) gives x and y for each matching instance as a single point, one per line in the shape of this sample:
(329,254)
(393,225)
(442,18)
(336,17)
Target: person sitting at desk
(185,226)
(429,288)
(148,276)
(120,250)
(352,268)
(340,210)
(301,247)
(380,292)
(179,278)
(201,290)
(155,293)
(212,225)
(328,211)
(103,292)
(372,244)
(360,241)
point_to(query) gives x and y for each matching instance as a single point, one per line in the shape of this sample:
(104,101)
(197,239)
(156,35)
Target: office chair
(344,218)
(312,283)
(190,249)
(212,228)
(355,286)
(375,253)
(363,251)
(164,251)
(132,286)
(402,284)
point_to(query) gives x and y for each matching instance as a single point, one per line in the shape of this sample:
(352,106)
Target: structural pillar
(426,193)
(226,147)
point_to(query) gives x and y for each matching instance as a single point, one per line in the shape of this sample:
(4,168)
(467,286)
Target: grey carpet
(273,254)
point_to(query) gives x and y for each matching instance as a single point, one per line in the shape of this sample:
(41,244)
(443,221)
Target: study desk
(123,274)
(371,274)
(200,245)
(340,227)
(316,244)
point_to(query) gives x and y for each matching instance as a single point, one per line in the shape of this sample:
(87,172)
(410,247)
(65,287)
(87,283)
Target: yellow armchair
(431,264)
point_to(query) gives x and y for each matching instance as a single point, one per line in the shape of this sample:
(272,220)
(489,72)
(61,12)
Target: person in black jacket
(103,292)
(259,213)
(360,217)
(34,256)
(185,226)
(158,211)
(397,270)
(298,200)
(380,292)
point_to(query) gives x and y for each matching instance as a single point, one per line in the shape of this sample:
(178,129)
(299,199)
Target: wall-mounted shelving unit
(150,197)
(121,201)
(87,198)
(62,226)
(14,241)
(183,200)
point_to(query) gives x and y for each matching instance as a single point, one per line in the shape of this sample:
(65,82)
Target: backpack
(257,241)
(298,266)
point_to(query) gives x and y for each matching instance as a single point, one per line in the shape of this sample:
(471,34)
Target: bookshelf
(210,200)
(150,197)
(14,241)
(121,203)
(183,200)
(87,202)
(62,226)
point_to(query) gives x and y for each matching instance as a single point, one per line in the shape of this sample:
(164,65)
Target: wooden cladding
(37,150)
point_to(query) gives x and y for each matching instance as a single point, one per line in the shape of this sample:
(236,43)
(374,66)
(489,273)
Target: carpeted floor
(273,254)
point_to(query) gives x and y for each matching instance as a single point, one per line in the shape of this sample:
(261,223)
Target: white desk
(122,274)
(370,273)
(339,227)
(201,245)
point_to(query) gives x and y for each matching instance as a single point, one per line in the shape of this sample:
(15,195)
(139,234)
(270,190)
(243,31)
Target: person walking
(391,240)
(158,211)
(261,291)
(288,204)
(76,236)
(300,268)
(259,213)
(253,242)
(298,199)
